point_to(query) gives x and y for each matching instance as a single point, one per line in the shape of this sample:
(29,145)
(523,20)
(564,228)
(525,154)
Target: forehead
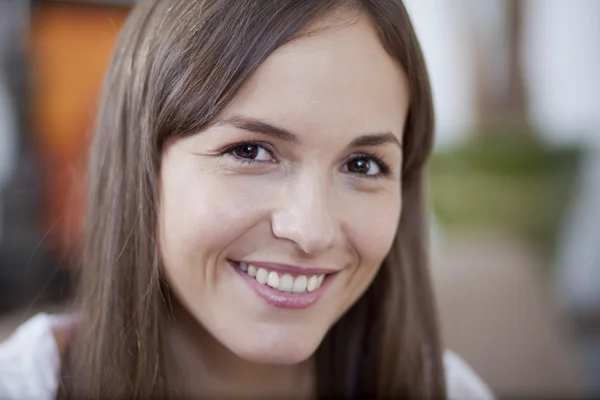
(338,78)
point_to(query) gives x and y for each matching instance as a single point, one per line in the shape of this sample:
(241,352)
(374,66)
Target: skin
(301,204)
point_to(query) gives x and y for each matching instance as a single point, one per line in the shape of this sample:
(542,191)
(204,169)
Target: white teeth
(312,283)
(299,284)
(273,280)
(262,276)
(286,283)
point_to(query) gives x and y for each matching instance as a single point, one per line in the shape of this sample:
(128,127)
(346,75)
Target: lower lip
(292,301)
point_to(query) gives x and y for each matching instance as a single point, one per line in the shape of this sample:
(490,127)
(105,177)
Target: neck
(200,366)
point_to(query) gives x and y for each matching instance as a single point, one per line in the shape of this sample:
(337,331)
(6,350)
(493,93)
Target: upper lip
(290,269)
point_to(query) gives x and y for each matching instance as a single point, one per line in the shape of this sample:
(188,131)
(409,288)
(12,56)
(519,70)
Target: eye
(365,166)
(251,152)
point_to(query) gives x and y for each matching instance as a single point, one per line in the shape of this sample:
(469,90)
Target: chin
(275,357)
(277,352)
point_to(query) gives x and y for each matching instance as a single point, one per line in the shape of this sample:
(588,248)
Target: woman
(255,223)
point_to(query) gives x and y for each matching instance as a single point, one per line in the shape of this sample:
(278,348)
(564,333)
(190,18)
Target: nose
(306,216)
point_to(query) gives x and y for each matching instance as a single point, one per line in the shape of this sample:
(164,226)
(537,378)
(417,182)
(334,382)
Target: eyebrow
(257,126)
(375,139)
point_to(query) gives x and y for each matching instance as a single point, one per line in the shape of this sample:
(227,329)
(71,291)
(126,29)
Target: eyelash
(230,149)
(384,169)
(375,157)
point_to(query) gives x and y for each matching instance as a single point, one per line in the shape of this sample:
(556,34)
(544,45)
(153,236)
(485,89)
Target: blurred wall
(12,17)
(561,62)
(562,52)
(70,48)
(509,311)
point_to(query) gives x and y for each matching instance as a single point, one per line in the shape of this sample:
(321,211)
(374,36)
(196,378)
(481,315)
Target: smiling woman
(255,222)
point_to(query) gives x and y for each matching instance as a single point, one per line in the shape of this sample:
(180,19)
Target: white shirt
(30,365)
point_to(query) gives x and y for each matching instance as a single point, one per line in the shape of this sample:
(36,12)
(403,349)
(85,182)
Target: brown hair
(176,66)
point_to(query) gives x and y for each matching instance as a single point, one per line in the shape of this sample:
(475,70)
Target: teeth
(299,284)
(262,276)
(273,280)
(285,283)
(312,283)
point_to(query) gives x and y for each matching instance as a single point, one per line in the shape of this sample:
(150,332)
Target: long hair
(176,65)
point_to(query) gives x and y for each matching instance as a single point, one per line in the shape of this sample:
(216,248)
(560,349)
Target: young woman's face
(275,219)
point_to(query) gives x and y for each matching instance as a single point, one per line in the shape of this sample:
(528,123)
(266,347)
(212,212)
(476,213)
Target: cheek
(201,215)
(190,225)
(370,228)
(372,231)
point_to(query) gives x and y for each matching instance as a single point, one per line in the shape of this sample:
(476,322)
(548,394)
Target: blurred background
(514,180)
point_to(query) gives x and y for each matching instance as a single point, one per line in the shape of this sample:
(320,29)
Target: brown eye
(363,166)
(250,152)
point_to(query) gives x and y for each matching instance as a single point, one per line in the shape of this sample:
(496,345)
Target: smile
(284,286)
(283,282)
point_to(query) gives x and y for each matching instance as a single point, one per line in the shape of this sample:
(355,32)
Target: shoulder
(461,381)
(30,358)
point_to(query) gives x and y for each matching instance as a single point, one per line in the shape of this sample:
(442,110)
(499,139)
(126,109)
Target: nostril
(308,222)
